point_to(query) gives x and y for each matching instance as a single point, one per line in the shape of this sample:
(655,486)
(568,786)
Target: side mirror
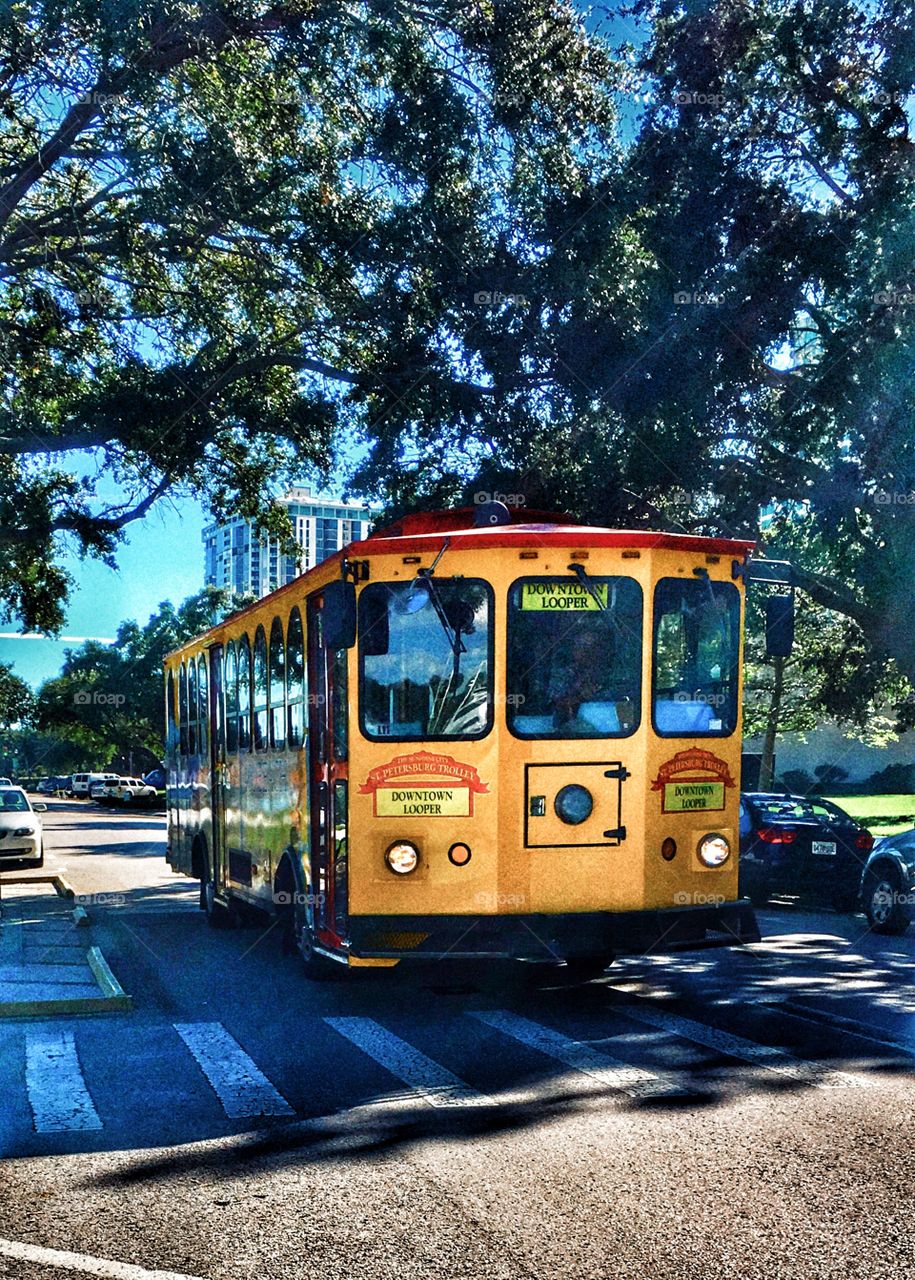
(779,626)
(338,617)
(40,807)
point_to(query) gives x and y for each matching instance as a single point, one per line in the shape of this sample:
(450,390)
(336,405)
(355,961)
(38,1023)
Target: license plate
(824,848)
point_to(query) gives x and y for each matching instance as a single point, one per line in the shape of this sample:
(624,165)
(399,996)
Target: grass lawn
(883,815)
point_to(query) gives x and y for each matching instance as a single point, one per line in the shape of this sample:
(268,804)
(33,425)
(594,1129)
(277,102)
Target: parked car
(155,778)
(888,884)
(6,782)
(131,791)
(101,784)
(803,846)
(83,783)
(21,835)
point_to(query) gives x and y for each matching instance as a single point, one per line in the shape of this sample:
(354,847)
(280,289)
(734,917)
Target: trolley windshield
(425,659)
(574,657)
(696,655)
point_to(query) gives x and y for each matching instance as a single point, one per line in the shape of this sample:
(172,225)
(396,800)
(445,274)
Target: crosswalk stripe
(238,1083)
(433,1082)
(638,1082)
(84,1263)
(54,1082)
(762,1055)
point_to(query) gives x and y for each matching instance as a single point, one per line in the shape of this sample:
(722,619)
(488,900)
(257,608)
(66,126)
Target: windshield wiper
(452,634)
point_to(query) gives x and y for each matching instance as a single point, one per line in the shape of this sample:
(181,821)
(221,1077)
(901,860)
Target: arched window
(203,712)
(260,690)
(295,679)
(192,706)
(244,694)
(277,685)
(231,681)
(182,710)
(171,721)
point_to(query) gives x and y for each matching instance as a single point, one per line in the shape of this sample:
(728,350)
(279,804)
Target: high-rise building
(237,559)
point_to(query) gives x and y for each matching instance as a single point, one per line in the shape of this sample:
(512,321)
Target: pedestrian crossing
(639,1052)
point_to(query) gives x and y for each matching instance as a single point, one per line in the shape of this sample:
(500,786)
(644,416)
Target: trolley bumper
(567,936)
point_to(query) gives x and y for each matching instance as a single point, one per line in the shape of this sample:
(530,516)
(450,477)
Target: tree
(231,232)
(108,699)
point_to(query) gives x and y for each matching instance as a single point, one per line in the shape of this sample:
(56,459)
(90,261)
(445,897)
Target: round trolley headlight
(573,804)
(402,857)
(714,850)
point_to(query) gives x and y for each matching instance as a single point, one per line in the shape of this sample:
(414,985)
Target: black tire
(217,916)
(298,939)
(757,893)
(569,973)
(882,906)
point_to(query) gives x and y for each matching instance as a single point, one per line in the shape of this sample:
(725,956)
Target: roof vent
(491,513)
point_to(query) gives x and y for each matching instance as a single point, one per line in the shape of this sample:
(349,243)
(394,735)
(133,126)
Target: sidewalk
(47,962)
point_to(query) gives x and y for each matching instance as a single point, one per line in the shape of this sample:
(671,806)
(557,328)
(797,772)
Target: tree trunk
(767,763)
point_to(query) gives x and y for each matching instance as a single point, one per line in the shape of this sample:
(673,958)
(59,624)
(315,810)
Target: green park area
(883,815)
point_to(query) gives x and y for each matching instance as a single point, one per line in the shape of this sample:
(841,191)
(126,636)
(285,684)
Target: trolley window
(244,694)
(574,657)
(203,705)
(192,706)
(295,679)
(277,685)
(696,654)
(426,659)
(260,690)
(182,710)
(231,681)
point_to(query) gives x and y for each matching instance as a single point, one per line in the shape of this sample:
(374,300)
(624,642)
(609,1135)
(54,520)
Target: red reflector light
(865,841)
(776,835)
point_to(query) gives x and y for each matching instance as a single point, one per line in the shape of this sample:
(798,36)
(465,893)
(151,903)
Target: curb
(115,995)
(62,887)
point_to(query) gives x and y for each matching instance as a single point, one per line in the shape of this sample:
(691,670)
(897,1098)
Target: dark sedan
(802,846)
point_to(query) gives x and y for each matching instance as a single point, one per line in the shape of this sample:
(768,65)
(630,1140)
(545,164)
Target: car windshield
(13,802)
(425,658)
(797,809)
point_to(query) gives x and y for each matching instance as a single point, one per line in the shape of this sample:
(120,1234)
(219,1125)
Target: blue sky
(162,560)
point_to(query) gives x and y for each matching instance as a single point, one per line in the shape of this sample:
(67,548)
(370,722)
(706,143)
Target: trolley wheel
(218,916)
(299,938)
(884,912)
(569,973)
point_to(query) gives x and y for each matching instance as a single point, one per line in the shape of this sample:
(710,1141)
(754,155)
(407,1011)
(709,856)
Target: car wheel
(885,913)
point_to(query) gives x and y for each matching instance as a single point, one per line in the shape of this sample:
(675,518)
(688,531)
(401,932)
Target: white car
(100,783)
(129,790)
(21,835)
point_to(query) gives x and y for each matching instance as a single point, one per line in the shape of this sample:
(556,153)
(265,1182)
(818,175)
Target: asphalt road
(725,1113)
